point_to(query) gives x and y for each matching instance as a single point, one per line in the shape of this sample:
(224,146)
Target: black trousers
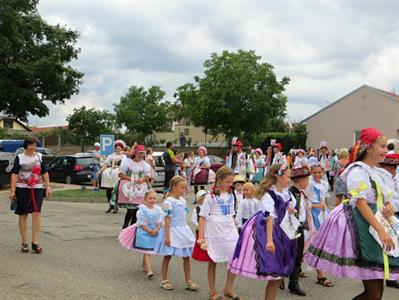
(299,256)
(109,195)
(130,218)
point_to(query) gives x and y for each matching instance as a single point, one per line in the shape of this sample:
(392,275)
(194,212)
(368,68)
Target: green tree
(34,59)
(237,95)
(143,112)
(88,124)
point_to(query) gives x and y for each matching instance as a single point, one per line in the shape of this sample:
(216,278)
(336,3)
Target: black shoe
(392,284)
(115,210)
(296,289)
(282,285)
(109,210)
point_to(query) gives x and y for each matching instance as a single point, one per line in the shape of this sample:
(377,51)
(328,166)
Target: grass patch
(78,194)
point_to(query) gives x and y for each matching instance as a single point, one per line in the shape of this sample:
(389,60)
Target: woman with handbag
(345,246)
(201,168)
(27,192)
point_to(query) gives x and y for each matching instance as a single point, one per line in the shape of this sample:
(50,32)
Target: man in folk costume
(390,164)
(236,158)
(324,160)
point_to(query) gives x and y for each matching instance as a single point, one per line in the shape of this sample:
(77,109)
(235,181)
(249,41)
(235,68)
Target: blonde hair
(221,174)
(148,193)
(268,181)
(175,181)
(343,153)
(248,185)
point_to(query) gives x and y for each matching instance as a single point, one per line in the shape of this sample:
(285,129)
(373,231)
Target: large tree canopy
(34,59)
(88,124)
(237,95)
(142,111)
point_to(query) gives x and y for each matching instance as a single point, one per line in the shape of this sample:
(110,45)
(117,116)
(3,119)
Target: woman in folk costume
(236,158)
(135,176)
(344,245)
(110,172)
(201,166)
(324,160)
(260,166)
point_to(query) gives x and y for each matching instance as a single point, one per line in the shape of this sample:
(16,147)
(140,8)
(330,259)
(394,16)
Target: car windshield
(85,161)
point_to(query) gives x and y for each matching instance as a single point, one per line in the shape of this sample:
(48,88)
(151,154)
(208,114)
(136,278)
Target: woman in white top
(27,192)
(201,168)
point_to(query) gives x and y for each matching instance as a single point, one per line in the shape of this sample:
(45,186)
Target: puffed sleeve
(359,186)
(168,207)
(124,166)
(267,205)
(194,218)
(17,166)
(147,169)
(207,162)
(239,213)
(141,217)
(206,208)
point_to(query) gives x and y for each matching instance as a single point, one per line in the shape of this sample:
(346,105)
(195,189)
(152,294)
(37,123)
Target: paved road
(83,260)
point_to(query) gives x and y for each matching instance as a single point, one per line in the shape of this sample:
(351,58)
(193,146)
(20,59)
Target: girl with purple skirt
(344,246)
(264,251)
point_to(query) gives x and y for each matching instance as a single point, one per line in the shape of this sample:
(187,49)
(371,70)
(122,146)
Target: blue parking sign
(107,144)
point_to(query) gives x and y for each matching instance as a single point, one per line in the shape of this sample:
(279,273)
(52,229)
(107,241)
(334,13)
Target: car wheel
(68,180)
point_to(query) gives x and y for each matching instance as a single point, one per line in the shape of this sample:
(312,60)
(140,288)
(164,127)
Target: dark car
(47,154)
(216,162)
(72,169)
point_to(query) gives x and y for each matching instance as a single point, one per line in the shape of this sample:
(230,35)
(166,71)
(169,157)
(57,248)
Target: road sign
(107,144)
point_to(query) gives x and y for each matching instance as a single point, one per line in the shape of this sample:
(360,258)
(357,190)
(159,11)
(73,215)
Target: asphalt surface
(83,260)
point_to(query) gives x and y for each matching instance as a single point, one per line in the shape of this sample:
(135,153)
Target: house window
(9,124)
(356,135)
(186,131)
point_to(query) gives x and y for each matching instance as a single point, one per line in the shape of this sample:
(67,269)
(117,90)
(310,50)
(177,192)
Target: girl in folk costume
(238,184)
(135,176)
(260,166)
(324,160)
(248,205)
(340,189)
(176,238)
(344,245)
(251,165)
(264,251)
(316,195)
(236,158)
(300,158)
(141,236)
(189,162)
(201,170)
(109,172)
(217,232)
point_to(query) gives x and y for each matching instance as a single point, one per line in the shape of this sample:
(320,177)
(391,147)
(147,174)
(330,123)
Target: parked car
(159,169)
(47,154)
(216,162)
(72,169)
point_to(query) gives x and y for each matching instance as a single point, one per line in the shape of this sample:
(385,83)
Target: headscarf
(368,136)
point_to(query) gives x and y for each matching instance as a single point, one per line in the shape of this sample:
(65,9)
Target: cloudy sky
(327,48)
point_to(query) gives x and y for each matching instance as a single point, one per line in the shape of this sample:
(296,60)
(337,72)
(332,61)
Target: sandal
(191,286)
(150,275)
(36,248)
(231,296)
(323,281)
(215,297)
(166,285)
(24,248)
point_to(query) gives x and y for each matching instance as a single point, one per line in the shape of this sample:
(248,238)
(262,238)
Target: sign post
(107,144)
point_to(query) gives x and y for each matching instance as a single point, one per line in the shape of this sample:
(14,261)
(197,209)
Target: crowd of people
(264,213)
